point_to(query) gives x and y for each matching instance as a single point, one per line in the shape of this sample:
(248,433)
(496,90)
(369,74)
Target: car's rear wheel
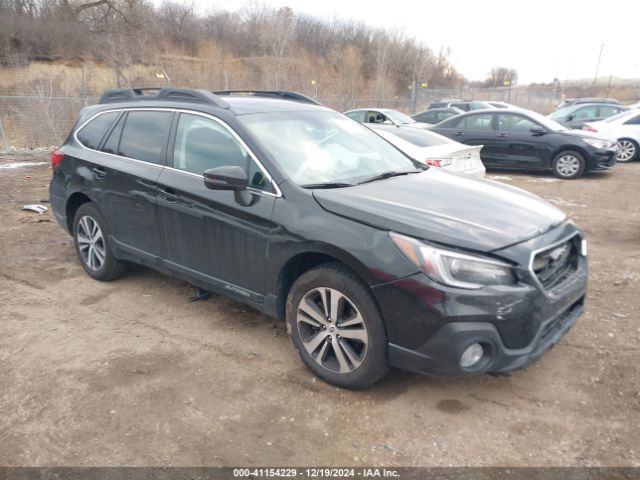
(337,328)
(568,165)
(90,235)
(627,150)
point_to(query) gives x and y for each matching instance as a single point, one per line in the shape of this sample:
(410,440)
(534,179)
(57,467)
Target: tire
(568,165)
(351,356)
(627,150)
(91,240)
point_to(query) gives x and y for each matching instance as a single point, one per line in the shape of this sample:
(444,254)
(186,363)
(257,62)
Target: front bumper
(429,325)
(441,354)
(603,160)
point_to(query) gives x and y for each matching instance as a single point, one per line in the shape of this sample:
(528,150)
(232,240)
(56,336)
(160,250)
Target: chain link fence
(31,121)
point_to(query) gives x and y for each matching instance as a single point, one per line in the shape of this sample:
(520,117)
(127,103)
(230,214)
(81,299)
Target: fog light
(472,355)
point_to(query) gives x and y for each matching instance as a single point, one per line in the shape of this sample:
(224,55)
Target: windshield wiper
(385,175)
(328,185)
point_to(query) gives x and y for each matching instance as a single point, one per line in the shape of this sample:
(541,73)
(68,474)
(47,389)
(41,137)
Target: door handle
(501,135)
(459,133)
(99,172)
(170,195)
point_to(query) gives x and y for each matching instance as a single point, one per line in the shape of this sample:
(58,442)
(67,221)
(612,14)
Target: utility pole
(595,79)
(414,95)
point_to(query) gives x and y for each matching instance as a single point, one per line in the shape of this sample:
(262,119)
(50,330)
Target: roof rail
(165,93)
(283,94)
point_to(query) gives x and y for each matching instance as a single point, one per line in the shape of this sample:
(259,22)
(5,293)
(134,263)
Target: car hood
(447,208)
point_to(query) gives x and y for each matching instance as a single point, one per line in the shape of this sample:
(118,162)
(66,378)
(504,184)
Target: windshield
(325,147)
(546,122)
(563,112)
(621,116)
(398,117)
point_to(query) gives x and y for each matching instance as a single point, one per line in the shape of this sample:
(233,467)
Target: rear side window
(113,140)
(92,133)
(607,110)
(426,117)
(357,115)
(144,134)
(509,122)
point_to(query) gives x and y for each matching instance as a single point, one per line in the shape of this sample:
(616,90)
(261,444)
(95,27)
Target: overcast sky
(541,39)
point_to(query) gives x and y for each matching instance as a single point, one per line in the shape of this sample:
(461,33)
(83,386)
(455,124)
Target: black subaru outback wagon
(373,259)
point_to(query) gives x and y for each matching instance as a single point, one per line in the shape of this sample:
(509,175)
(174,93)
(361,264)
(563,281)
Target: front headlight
(453,268)
(594,142)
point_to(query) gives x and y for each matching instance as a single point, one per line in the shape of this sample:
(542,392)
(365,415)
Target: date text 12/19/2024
(315,473)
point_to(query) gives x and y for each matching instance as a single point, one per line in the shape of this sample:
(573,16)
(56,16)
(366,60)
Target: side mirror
(537,130)
(226,178)
(570,117)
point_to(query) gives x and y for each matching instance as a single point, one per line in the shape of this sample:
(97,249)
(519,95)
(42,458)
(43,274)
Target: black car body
(575,116)
(519,139)
(509,273)
(436,115)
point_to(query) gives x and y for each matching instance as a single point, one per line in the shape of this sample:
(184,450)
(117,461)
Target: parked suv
(373,259)
(575,116)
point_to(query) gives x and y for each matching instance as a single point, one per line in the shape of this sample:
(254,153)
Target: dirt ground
(133,373)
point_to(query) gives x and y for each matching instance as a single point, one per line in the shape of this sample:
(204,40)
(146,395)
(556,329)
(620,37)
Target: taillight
(589,128)
(438,162)
(56,158)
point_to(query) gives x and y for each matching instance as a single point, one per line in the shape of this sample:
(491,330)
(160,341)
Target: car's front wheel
(627,150)
(335,325)
(91,240)
(569,165)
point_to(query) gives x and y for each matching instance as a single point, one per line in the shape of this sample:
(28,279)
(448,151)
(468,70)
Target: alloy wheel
(91,243)
(626,151)
(568,165)
(332,330)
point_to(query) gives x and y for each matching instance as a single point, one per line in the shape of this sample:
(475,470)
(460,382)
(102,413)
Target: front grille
(556,265)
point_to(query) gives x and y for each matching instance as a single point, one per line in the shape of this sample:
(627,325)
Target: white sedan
(625,129)
(434,149)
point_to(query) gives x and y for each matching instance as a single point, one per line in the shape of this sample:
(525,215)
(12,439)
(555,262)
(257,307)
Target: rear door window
(586,112)
(444,115)
(480,121)
(144,135)
(608,110)
(92,133)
